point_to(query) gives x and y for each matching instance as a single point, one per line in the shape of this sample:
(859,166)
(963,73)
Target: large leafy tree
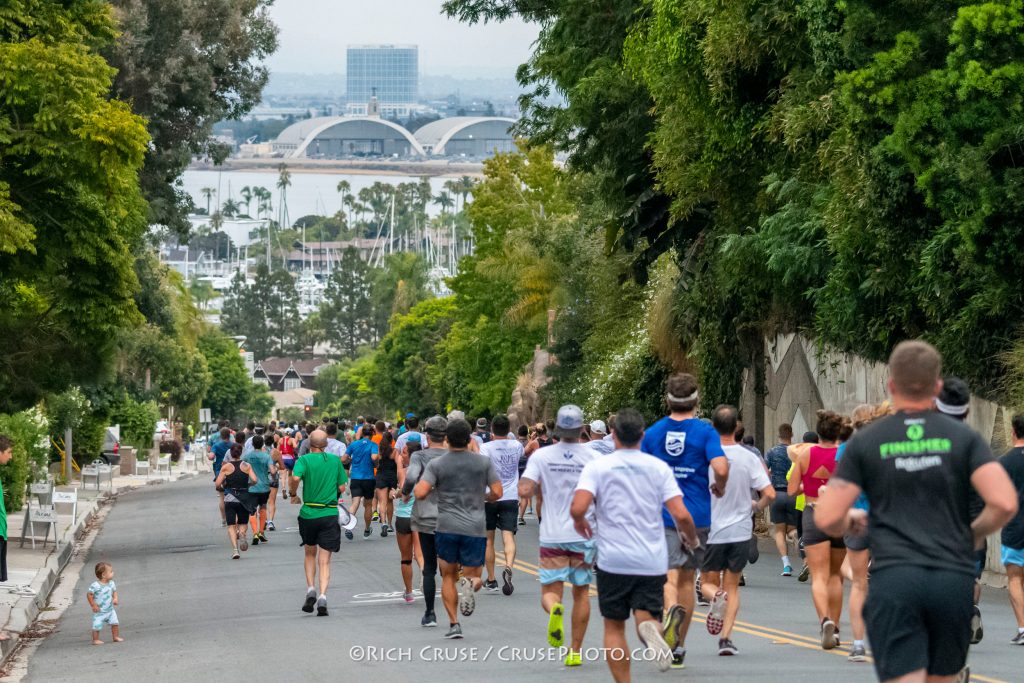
(582,100)
(185,65)
(346,313)
(70,206)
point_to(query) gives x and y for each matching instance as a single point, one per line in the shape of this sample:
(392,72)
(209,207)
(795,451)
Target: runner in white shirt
(565,555)
(334,445)
(599,438)
(731,529)
(627,489)
(504,451)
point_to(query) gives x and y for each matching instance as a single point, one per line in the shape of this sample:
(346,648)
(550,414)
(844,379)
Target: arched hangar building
(333,137)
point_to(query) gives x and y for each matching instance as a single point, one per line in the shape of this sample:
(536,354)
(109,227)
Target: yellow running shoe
(556,625)
(573,659)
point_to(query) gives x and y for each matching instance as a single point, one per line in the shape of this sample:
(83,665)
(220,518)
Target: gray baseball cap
(436,426)
(456,415)
(569,422)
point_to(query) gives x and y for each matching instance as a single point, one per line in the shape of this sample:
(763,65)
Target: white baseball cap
(598,427)
(569,422)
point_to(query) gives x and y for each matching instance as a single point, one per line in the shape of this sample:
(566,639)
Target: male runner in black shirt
(917,468)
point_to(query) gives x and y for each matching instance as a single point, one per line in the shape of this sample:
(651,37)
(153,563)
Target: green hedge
(30,432)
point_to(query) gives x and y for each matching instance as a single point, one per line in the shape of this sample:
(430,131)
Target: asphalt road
(188,612)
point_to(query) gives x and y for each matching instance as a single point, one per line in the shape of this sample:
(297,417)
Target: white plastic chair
(163,462)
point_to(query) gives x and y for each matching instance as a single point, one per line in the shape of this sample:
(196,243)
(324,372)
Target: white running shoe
(650,634)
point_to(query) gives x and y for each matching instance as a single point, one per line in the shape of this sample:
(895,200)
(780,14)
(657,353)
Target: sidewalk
(32,573)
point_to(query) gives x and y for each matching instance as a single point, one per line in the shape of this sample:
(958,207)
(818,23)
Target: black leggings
(429,549)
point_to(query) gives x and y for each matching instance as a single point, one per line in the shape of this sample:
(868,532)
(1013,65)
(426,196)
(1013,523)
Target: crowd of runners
(895,499)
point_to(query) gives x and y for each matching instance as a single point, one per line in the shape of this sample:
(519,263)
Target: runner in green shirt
(323,479)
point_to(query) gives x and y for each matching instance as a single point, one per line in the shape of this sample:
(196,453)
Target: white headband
(951,410)
(676,399)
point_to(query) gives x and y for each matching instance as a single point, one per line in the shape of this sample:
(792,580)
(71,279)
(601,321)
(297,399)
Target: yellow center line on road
(775,635)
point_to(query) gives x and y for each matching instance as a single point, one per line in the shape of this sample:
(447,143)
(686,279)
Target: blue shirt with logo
(688,447)
(362,452)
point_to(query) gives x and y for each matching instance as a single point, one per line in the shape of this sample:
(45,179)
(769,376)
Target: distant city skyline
(314,35)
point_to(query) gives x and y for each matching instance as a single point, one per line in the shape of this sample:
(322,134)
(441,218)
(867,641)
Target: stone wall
(800,378)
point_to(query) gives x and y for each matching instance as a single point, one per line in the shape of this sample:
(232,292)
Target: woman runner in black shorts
(403,518)
(234,479)
(387,481)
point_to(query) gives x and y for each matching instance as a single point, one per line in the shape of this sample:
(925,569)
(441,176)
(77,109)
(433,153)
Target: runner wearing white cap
(565,555)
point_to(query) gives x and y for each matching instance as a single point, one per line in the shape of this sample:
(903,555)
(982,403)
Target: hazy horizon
(310,44)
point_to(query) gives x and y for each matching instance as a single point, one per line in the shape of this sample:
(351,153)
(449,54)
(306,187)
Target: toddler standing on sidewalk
(103,599)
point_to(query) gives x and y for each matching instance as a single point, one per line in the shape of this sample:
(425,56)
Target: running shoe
(321,607)
(270,525)
(573,659)
(670,627)
(858,654)
(383,530)
(1017,639)
(726,648)
(348,534)
(255,539)
(366,533)
(455,632)
(787,571)
(234,554)
(716,615)
(307,606)
(650,634)
(263,537)
(556,625)
(805,574)
(506,581)
(376,517)
(491,586)
(678,658)
(522,522)
(429,620)
(408,598)
(243,545)
(467,600)
(828,634)
(977,630)
(223,522)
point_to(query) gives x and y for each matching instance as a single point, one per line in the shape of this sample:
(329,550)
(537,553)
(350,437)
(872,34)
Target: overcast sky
(314,34)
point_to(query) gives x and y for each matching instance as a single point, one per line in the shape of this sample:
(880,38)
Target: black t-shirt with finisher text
(1013,533)
(916,471)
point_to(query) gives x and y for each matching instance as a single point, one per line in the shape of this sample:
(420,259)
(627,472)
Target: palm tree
(247,194)
(453,188)
(466,185)
(444,200)
(208,192)
(345,189)
(230,208)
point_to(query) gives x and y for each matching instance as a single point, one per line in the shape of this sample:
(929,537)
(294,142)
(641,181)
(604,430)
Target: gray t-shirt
(424,512)
(460,480)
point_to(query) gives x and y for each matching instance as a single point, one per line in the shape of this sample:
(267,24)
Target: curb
(27,609)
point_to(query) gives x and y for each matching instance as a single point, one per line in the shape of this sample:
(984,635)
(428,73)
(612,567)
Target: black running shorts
(726,556)
(784,509)
(363,488)
(321,531)
(813,535)
(403,525)
(919,618)
(235,513)
(620,594)
(502,515)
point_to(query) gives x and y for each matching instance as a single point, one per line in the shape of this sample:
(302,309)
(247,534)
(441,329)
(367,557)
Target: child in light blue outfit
(103,598)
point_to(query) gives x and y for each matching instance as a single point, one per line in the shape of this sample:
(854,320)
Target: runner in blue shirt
(693,449)
(362,454)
